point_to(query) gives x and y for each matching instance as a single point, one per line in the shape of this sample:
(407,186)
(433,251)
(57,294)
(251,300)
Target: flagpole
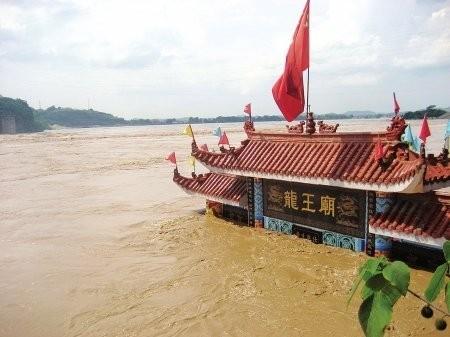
(309,63)
(307,93)
(192,131)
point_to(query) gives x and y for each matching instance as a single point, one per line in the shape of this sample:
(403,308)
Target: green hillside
(23,114)
(78,118)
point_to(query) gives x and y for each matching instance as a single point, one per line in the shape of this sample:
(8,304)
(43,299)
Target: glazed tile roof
(436,172)
(220,186)
(330,158)
(425,215)
(345,157)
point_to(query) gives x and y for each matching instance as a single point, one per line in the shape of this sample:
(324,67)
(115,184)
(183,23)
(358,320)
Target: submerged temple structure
(327,186)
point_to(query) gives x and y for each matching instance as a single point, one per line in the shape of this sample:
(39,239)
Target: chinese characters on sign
(324,207)
(326,202)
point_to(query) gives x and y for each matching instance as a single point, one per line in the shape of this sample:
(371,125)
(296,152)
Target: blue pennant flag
(415,145)
(408,136)
(217,132)
(413,141)
(447,136)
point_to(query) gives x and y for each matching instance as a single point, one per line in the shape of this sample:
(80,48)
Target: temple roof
(419,217)
(224,188)
(338,159)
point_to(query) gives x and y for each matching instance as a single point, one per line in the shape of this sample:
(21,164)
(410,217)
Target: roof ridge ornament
(249,127)
(327,128)
(397,128)
(194,146)
(299,128)
(176,174)
(310,123)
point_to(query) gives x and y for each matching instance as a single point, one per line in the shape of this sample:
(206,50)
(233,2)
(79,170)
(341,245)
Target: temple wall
(315,235)
(226,211)
(343,241)
(314,230)
(383,244)
(259,203)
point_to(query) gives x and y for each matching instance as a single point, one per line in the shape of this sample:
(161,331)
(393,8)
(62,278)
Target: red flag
(171,157)
(424,129)
(288,90)
(248,108)
(396,106)
(224,139)
(204,147)
(379,153)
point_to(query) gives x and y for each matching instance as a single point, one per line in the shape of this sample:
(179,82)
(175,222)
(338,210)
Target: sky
(177,58)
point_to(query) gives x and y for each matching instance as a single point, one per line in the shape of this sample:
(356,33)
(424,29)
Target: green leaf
(366,292)
(392,293)
(436,283)
(354,288)
(398,274)
(366,271)
(446,249)
(373,284)
(371,267)
(377,282)
(374,314)
(447,296)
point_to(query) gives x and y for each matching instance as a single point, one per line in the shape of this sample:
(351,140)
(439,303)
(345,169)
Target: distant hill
(364,114)
(78,118)
(31,120)
(445,116)
(432,112)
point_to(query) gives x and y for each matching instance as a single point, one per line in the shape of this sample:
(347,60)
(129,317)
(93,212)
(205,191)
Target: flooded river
(96,240)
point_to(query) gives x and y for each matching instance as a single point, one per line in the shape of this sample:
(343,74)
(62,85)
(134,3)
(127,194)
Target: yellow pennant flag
(188,131)
(192,161)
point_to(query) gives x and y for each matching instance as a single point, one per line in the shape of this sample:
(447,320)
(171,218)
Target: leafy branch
(384,282)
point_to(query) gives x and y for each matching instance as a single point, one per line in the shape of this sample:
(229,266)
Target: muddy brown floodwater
(95,240)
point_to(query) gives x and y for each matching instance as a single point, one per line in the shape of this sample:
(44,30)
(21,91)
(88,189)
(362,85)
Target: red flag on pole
(171,157)
(424,129)
(396,106)
(224,139)
(248,108)
(204,147)
(379,152)
(288,91)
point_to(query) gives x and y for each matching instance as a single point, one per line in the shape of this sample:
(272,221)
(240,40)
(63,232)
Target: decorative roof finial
(310,124)
(249,126)
(422,150)
(194,146)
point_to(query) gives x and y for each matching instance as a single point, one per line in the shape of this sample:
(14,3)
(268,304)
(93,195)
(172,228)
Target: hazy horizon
(154,59)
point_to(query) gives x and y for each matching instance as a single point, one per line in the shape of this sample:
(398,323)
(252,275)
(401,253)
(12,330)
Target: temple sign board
(329,208)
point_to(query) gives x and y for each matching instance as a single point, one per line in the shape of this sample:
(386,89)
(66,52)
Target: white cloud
(153,58)
(10,18)
(430,46)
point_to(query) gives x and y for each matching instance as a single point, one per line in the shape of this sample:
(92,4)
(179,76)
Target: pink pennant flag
(248,108)
(396,106)
(379,153)
(224,139)
(171,157)
(424,129)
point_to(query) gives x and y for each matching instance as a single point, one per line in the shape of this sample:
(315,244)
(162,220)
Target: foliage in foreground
(383,283)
